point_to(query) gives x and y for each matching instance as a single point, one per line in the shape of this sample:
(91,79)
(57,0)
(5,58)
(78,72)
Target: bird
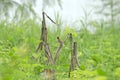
(60,41)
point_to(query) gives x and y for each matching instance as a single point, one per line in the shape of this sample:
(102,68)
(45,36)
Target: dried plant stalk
(48,54)
(43,36)
(74,59)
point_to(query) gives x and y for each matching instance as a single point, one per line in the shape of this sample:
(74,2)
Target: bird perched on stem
(60,41)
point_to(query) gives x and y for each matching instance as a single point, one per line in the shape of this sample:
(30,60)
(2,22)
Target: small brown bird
(60,41)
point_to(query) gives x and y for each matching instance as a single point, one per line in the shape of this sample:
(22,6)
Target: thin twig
(49,18)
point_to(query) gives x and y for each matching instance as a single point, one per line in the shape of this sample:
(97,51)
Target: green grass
(99,53)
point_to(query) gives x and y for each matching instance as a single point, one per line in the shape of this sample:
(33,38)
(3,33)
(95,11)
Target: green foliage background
(99,53)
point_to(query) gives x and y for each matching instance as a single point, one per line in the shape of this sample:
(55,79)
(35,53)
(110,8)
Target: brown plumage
(60,41)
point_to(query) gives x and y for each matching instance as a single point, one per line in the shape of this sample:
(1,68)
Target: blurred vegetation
(14,9)
(98,53)
(109,9)
(24,9)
